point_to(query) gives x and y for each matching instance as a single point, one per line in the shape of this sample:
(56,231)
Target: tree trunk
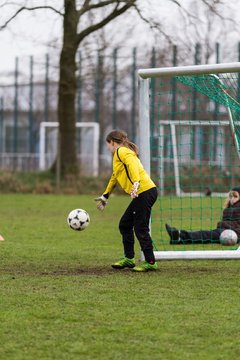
(67,154)
(67,92)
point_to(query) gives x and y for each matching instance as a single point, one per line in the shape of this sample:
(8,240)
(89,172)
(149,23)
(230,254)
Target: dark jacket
(231,218)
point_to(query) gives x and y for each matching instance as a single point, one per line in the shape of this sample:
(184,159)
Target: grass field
(60,299)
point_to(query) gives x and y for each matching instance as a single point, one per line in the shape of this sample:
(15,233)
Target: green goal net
(189,136)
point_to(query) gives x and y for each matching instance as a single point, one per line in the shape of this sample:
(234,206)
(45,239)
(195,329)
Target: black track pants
(200,237)
(136,219)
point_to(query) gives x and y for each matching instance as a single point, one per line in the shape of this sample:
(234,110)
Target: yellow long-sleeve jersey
(128,169)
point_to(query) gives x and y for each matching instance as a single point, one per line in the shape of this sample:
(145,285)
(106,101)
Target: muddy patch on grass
(96,271)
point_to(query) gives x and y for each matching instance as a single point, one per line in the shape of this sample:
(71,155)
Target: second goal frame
(83,125)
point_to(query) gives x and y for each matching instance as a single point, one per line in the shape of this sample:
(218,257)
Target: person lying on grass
(230,220)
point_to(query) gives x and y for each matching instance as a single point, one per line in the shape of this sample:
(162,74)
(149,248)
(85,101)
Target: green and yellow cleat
(124,263)
(145,266)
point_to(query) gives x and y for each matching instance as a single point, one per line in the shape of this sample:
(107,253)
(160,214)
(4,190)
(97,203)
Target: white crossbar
(190,70)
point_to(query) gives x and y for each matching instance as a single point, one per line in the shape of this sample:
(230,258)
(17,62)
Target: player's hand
(134,190)
(101,202)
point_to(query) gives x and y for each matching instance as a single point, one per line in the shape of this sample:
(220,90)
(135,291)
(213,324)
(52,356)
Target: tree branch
(87,6)
(115,13)
(155,25)
(212,6)
(28,9)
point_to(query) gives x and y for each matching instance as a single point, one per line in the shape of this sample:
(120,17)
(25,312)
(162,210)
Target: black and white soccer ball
(78,219)
(228,237)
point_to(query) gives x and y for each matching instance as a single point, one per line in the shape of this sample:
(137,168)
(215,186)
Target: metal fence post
(30,113)
(174,84)
(114,104)
(46,96)
(79,100)
(152,100)
(15,113)
(79,89)
(1,124)
(98,87)
(197,151)
(133,110)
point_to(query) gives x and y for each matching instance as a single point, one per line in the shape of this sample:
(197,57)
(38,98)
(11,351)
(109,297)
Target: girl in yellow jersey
(131,176)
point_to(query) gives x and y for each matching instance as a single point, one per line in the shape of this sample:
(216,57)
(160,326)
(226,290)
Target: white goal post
(145,75)
(94,143)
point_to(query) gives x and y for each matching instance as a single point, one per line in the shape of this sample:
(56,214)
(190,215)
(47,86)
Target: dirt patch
(99,271)
(96,271)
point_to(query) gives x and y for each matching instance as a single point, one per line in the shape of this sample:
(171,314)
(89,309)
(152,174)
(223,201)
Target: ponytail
(120,137)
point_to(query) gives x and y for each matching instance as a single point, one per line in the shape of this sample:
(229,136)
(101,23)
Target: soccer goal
(189,131)
(87,146)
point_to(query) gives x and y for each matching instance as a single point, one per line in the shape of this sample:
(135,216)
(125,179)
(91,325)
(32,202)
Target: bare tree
(82,18)
(67,80)
(74,15)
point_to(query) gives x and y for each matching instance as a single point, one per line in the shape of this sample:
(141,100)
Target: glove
(101,202)
(134,190)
